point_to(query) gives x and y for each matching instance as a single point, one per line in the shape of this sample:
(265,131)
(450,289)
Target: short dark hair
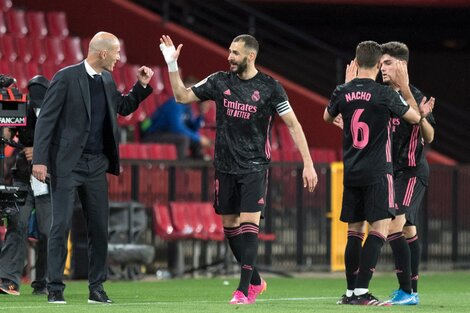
(396,49)
(368,54)
(250,41)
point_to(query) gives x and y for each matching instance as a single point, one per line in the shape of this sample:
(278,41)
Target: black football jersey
(245,110)
(366,108)
(408,145)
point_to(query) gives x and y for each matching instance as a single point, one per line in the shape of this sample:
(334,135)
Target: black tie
(97,78)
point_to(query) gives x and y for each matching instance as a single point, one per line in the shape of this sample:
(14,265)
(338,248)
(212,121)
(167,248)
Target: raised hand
(401,80)
(170,53)
(144,74)
(426,107)
(351,71)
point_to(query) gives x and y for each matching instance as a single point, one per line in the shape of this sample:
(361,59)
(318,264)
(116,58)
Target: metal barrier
(308,234)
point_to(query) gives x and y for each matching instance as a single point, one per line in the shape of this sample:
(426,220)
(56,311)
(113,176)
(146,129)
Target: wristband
(168,55)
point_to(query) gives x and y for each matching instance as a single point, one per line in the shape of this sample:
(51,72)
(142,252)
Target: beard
(241,67)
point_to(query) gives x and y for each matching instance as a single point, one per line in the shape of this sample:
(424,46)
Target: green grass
(439,292)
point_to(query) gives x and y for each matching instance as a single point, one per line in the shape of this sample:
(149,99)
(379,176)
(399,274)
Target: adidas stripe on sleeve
(283,108)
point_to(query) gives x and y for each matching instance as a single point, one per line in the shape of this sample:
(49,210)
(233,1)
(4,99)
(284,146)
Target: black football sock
(235,241)
(401,254)
(352,255)
(250,241)
(369,256)
(415,251)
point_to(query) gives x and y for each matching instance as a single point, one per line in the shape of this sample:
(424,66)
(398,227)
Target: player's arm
(426,128)
(181,93)
(295,129)
(427,131)
(327,117)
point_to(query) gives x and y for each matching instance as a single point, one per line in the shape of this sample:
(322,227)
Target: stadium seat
(32,69)
(118,80)
(3,26)
(129,75)
(72,49)
(49,69)
(38,51)
(23,49)
(18,71)
(122,54)
(36,21)
(7,48)
(54,50)
(16,22)
(163,227)
(5,5)
(161,151)
(181,220)
(4,66)
(57,24)
(212,222)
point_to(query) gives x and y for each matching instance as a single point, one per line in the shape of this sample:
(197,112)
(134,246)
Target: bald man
(76,143)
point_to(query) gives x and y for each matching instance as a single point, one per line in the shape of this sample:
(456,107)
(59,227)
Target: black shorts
(369,203)
(240,193)
(409,193)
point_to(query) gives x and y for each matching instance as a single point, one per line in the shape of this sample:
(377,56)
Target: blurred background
(161,205)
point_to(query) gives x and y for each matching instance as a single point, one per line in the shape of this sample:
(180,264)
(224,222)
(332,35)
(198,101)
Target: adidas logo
(261,201)
(227,92)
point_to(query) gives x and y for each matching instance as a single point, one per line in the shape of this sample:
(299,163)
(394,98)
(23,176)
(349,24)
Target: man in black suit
(76,140)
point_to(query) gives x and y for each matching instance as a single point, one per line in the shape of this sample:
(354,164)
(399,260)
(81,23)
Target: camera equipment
(13,113)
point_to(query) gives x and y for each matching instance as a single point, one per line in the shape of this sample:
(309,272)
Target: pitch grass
(439,292)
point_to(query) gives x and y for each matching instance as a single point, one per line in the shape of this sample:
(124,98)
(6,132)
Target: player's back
(366,108)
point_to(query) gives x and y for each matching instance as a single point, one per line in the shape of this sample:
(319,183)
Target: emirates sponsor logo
(255,96)
(239,110)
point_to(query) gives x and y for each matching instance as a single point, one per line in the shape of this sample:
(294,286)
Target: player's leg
(252,189)
(227,203)
(379,206)
(352,212)
(401,252)
(411,234)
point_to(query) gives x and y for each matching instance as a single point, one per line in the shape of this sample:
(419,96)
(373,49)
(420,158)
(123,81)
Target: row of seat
(191,220)
(61,51)
(37,24)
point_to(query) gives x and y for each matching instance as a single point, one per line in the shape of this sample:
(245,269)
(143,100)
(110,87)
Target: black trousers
(89,179)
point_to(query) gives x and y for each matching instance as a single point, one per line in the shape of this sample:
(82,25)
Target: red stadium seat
(7,48)
(23,48)
(18,71)
(212,222)
(57,24)
(123,54)
(36,21)
(3,26)
(16,22)
(5,5)
(37,50)
(129,74)
(49,69)
(72,49)
(182,221)
(161,151)
(118,80)
(32,69)
(54,50)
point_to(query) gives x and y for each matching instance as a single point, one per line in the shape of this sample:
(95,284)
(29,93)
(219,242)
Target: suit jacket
(64,121)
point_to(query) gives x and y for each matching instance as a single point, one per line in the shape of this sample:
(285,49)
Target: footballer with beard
(247,101)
